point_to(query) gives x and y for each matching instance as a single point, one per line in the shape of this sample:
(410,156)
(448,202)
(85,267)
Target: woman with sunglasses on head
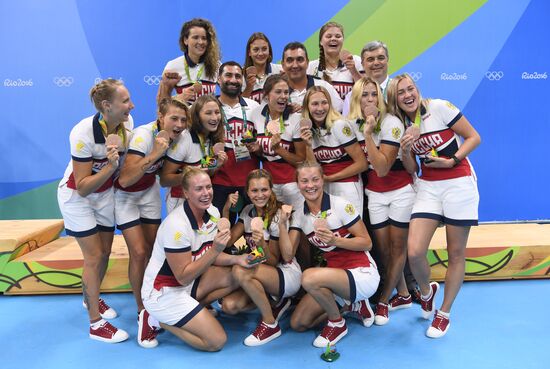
(388,187)
(335,65)
(333,225)
(195,147)
(195,72)
(446,190)
(332,142)
(258,66)
(86,197)
(137,197)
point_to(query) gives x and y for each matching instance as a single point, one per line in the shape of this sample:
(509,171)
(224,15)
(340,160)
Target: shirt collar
(194,137)
(340,65)
(325,203)
(191,217)
(99,138)
(286,112)
(190,62)
(310,83)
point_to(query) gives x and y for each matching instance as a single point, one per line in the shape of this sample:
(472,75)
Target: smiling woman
(194,73)
(335,65)
(446,190)
(137,199)
(194,147)
(188,269)
(333,225)
(86,197)
(258,65)
(333,143)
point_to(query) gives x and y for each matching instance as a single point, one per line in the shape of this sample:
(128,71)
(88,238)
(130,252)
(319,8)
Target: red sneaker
(105,310)
(262,335)
(279,309)
(363,311)
(428,307)
(381,316)
(330,335)
(107,332)
(147,335)
(399,302)
(440,326)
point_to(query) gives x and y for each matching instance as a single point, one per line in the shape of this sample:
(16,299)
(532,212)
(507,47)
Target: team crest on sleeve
(139,140)
(177,236)
(450,105)
(396,132)
(79,145)
(350,209)
(346,131)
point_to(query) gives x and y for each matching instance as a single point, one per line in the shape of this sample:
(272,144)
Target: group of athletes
(314,164)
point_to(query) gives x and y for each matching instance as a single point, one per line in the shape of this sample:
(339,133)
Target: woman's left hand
(222,157)
(257,236)
(438,162)
(325,235)
(370,123)
(242,260)
(275,141)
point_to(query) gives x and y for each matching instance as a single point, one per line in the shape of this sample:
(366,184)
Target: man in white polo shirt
(295,62)
(374,58)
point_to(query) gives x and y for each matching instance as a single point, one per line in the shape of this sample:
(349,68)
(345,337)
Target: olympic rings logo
(152,80)
(494,75)
(63,81)
(415,75)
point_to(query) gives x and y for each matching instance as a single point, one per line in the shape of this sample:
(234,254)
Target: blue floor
(493,325)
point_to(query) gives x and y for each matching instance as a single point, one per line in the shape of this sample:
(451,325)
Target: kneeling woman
(188,266)
(280,276)
(350,277)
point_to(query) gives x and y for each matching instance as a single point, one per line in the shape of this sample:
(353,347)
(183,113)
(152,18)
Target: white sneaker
(105,310)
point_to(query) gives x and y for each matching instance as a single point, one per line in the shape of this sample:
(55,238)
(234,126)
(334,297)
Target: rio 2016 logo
(454,76)
(18,82)
(534,75)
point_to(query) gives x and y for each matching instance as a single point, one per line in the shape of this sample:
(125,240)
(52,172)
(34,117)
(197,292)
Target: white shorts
(133,208)
(363,283)
(451,201)
(84,216)
(288,193)
(172,202)
(290,278)
(350,191)
(173,305)
(391,207)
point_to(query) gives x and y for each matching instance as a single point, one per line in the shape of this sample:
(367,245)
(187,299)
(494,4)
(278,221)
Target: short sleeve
(343,133)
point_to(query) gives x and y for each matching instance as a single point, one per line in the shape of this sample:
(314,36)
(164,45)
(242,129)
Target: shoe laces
(107,327)
(150,335)
(260,330)
(440,322)
(103,307)
(382,309)
(329,331)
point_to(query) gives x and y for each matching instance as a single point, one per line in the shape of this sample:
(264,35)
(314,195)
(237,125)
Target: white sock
(272,325)
(338,324)
(446,315)
(97,324)
(427,297)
